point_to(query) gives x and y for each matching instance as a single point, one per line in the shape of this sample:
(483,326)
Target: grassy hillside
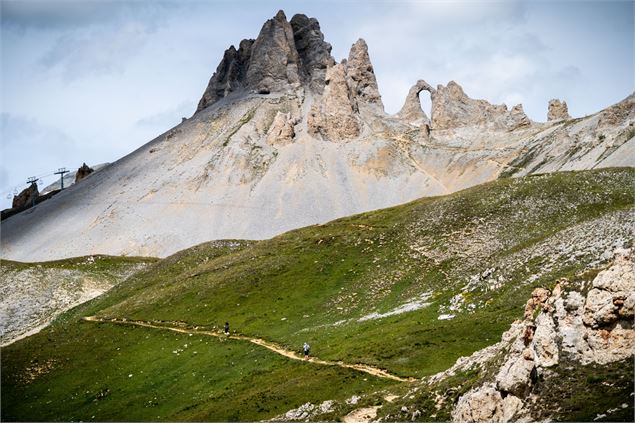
(369,288)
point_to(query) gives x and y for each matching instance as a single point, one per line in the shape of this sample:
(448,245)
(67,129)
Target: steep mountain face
(284,136)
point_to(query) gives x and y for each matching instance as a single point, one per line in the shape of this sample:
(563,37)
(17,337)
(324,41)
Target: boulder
(538,297)
(274,62)
(545,341)
(486,404)
(281,131)
(557,110)
(514,375)
(613,294)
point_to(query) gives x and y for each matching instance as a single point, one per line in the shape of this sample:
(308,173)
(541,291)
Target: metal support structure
(61,171)
(32,180)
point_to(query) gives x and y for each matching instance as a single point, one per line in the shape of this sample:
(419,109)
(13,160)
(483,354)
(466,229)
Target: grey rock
(281,131)
(274,61)
(452,108)
(514,375)
(516,118)
(229,76)
(360,75)
(314,52)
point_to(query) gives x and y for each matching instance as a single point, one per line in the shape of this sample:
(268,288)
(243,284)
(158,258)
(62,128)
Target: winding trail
(278,349)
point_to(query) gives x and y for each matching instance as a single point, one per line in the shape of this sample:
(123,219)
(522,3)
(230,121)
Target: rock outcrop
(411,112)
(596,329)
(284,56)
(557,110)
(314,52)
(281,131)
(486,404)
(360,75)
(274,62)
(83,172)
(349,85)
(452,108)
(335,116)
(26,197)
(229,75)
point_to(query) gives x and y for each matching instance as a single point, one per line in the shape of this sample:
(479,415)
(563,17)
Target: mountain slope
(401,289)
(33,294)
(273,148)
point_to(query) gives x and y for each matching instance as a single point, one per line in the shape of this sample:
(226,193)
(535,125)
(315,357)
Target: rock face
(557,110)
(281,131)
(83,172)
(452,108)
(411,112)
(282,57)
(335,115)
(274,62)
(229,76)
(26,197)
(360,75)
(314,52)
(596,329)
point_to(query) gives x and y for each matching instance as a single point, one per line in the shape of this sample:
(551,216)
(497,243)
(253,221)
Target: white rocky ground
(272,148)
(32,296)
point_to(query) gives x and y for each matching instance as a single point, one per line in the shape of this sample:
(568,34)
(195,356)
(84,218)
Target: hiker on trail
(227,328)
(306,349)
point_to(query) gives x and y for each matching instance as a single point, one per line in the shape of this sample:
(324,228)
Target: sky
(90,81)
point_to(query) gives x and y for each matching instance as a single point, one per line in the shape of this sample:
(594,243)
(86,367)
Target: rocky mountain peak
(314,52)
(274,62)
(411,112)
(284,56)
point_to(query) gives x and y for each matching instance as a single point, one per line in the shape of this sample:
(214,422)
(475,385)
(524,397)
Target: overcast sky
(90,81)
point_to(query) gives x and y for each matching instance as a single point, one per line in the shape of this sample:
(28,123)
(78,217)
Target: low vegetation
(408,289)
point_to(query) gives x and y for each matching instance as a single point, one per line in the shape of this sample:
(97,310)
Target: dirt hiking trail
(182,328)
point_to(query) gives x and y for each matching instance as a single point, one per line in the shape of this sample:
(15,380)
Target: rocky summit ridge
(285,136)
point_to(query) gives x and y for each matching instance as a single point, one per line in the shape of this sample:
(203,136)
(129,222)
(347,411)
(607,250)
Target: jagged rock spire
(274,61)
(229,76)
(283,56)
(314,52)
(360,74)
(558,110)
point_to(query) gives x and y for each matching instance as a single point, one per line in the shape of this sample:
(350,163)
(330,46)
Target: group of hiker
(306,348)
